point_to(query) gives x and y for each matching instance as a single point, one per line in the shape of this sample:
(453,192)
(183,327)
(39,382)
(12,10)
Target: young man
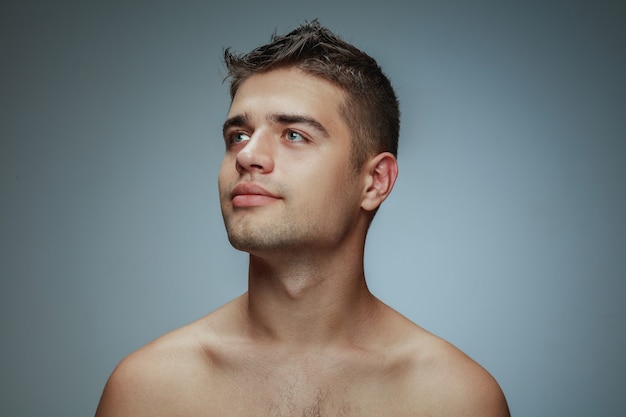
(311,140)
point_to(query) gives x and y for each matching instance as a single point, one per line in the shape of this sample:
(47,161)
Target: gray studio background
(506,233)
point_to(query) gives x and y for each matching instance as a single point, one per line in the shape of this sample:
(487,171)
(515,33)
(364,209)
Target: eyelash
(289,132)
(232,138)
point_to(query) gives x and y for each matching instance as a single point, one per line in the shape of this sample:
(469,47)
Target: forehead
(289,90)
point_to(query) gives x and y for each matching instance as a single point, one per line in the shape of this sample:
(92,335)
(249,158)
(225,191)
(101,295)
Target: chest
(261,383)
(281,394)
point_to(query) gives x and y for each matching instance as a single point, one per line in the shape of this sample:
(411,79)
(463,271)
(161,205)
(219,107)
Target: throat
(308,314)
(309,301)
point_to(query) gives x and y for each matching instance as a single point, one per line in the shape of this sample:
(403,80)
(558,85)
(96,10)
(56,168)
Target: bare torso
(205,369)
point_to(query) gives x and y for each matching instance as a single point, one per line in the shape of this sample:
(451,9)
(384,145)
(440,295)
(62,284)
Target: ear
(380,175)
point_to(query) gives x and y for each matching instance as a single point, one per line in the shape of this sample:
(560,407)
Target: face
(287,181)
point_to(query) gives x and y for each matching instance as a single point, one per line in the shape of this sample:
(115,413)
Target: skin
(308,338)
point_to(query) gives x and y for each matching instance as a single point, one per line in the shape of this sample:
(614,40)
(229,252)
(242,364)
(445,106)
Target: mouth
(251,195)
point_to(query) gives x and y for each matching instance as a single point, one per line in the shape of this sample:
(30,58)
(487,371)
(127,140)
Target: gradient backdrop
(506,233)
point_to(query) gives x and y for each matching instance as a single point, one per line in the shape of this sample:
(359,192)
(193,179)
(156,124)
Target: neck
(308,300)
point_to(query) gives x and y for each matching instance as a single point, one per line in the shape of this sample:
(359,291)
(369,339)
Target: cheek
(223,180)
(227,169)
(338,187)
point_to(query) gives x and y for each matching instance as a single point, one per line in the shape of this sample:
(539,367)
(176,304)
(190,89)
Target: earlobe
(382,171)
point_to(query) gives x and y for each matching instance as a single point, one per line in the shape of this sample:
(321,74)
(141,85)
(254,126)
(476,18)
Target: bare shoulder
(449,381)
(160,377)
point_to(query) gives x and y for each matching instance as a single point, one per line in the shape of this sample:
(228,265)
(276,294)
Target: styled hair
(370,106)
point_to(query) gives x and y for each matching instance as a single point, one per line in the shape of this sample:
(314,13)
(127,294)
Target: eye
(293,136)
(239,137)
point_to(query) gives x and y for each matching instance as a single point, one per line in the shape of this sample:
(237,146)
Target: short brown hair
(370,109)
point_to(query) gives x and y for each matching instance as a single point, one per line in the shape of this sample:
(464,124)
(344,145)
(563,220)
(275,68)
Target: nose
(256,155)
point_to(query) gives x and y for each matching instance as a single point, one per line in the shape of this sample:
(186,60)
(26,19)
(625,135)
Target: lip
(251,195)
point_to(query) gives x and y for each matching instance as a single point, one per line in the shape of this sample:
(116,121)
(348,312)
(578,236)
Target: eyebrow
(235,121)
(280,118)
(286,119)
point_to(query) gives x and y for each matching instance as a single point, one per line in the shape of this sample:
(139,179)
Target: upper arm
(471,391)
(163,378)
(121,395)
(482,396)
(449,383)
(137,387)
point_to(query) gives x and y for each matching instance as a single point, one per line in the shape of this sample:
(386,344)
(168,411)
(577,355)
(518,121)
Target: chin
(261,241)
(249,242)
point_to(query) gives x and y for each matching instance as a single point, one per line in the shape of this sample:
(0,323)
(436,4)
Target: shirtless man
(311,140)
